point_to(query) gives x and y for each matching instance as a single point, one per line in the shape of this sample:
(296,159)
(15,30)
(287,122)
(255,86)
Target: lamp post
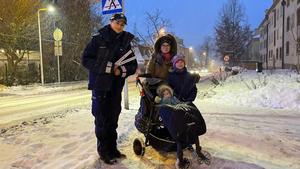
(204,59)
(50,9)
(189,59)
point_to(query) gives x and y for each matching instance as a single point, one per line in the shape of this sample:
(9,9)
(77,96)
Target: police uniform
(100,56)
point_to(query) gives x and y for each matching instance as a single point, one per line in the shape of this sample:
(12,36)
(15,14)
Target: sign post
(57,35)
(111,7)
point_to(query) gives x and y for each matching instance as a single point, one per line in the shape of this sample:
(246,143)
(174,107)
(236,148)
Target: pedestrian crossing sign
(111,6)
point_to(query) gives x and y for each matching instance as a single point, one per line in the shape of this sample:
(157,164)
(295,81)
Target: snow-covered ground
(38,89)
(252,120)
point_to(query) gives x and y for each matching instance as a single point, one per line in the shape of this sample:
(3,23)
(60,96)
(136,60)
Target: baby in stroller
(165,95)
(183,121)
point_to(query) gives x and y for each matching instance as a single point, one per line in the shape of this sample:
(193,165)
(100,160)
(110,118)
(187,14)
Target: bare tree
(232,31)
(207,50)
(155,23)
(18,32)
(77,21)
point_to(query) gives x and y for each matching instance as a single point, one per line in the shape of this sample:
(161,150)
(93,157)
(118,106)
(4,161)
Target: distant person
(161,60)
(103,57)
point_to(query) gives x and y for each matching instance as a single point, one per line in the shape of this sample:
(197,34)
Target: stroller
(158,132)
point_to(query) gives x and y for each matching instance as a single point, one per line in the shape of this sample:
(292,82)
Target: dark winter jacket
(184,85)
(100,56)
(157,66)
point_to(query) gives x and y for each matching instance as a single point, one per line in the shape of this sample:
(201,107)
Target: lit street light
(162,32)
(50,9)
(190,62)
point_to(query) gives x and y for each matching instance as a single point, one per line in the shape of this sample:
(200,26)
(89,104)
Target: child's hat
(177,58)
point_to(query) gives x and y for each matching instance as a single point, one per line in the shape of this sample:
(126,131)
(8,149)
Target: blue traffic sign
(111,6)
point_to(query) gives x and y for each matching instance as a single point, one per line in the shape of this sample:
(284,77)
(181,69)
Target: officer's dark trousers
(106,108)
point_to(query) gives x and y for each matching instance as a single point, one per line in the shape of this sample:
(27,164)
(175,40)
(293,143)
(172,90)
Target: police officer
(109,59)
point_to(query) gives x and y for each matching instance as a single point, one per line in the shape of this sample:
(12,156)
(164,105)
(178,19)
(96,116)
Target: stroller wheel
(139,146)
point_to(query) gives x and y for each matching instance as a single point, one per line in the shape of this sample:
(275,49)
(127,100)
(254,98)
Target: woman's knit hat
(177,58)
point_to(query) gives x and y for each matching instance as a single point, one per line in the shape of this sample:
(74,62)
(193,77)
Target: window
(274,18)
(276,53)
(298,16)
(293,21)
(272,56)
(266,43)
(280,53)
(274,40)
(287,3)
(287,48)
(266,57)
(288,24)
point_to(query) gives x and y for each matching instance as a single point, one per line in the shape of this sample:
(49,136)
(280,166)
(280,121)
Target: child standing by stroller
(181,81)
(181,117)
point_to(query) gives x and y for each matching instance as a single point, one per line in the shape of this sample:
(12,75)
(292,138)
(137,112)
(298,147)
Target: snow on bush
(279,90)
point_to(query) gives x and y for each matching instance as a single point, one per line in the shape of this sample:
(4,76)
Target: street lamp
(162,32)
(190,60)
(50,9)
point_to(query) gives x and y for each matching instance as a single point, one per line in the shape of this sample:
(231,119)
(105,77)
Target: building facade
(280,34)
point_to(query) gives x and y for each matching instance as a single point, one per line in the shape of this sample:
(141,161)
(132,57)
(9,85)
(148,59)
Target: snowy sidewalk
(68,141)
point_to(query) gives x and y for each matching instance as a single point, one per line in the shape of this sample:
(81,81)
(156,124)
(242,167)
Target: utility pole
(267,43)
(283,3)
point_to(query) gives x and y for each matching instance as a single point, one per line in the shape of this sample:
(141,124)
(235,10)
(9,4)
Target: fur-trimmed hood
(162,88)
(167,38)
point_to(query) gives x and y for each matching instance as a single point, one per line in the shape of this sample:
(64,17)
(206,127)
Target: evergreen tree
(232,31)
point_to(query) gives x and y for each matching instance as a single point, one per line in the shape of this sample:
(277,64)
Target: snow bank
(38,89)
(280,90)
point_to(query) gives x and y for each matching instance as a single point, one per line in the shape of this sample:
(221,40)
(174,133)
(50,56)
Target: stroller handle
(143,75)
(141,86)
(146,75)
